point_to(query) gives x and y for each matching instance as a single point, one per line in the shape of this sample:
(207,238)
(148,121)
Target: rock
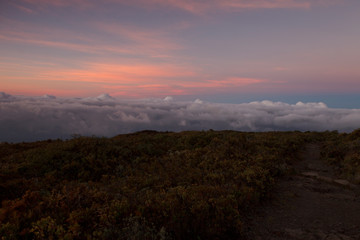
(310,174)
(342,182)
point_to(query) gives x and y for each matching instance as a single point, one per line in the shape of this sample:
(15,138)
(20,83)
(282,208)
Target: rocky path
(313,203)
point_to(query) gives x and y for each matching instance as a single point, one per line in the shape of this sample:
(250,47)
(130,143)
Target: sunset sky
(229,51)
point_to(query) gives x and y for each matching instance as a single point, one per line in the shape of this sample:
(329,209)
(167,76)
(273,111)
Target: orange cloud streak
(136,80)
(117,73)
(227,84)
(101,77)
(183,87)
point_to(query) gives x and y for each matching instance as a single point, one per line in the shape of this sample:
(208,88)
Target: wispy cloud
(28,119)
(192,6)
(118,73)
(148,47)
(50,43)
(40,4)
(202,7)
(203,85)
(142,38)
(23,8)
(136,79)
(246,4)
(105,38)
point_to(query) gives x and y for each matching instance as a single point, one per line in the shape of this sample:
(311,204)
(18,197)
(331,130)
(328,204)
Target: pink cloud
(192,6)
(227,84)
(248,4)
(121,74)
(35,91)
(138,41)
(145,90)
(184,87)
(118,73)
(23,8)
(49,43)
(132,80)
(201,7)
(235,82)
(148,39)
(230,84)
(61,3)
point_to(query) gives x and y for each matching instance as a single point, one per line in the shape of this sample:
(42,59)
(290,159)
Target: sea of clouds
(47,117)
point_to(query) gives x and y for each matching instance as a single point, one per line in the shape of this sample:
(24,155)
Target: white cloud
(105,97)
(47,96)
(168,99)
(29,119)
(198,101)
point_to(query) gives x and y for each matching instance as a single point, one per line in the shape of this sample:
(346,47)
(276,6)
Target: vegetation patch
(149,185)
(343,152)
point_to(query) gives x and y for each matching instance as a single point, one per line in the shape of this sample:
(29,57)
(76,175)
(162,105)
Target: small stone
(342,182)
(310,174)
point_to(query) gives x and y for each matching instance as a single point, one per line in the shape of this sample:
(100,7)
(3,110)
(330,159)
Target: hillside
(160,185)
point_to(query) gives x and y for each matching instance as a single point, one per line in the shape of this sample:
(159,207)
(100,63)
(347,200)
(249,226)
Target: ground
(310,203)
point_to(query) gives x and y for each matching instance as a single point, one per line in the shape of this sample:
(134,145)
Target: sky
(222,51)
(107,67)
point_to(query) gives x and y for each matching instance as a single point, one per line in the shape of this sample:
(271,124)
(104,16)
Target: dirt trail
(313,203)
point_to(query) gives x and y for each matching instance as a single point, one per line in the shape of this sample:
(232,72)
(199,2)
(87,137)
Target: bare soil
(311,203)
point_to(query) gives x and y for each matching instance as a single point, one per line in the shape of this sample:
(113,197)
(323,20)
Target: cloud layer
(36,118)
